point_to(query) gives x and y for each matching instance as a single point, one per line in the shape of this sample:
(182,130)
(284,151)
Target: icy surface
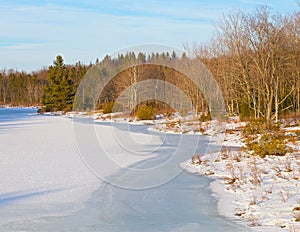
(47,186)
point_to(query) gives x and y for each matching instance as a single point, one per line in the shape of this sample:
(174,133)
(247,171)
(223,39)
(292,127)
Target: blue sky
(33,32)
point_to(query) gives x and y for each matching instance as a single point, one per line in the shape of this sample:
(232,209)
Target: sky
(34,32)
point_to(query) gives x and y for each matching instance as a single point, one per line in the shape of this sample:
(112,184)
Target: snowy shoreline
(19,106)
(270,203)
(265,195)
(260,193)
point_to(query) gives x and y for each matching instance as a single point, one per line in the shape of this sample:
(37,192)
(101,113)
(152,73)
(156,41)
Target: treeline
(21,88)
(255,58)
(28,89)
(130,88)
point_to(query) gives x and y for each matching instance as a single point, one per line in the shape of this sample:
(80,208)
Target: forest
(254,57)
(28,89)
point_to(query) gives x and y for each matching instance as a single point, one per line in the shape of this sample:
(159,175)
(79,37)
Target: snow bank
(262,193)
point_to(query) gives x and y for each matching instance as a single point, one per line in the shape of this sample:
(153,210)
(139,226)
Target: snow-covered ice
(42,172)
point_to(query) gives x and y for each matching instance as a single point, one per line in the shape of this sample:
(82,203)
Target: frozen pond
(181,203)
(184,203)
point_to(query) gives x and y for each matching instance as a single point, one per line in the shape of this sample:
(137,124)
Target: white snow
(40,166)
(261,193)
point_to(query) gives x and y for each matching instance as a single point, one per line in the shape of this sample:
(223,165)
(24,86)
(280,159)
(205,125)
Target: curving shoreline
(260,193)
(247,205)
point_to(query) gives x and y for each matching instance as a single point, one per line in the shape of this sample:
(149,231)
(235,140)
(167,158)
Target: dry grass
(287,166)
(253,200)
(237,157)
(233,177)
(279,172)
(284,194)
(250,175)
(295,176)
(196,159)
(255,173)
(269,190)
(293,229)
(253,219)
(296,215)
(296,211)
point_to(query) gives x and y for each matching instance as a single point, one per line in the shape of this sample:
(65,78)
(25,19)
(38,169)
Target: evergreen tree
(174,56)
(142,58)
(59,93)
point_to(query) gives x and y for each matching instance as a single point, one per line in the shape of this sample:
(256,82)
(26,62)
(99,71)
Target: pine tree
(59,93)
